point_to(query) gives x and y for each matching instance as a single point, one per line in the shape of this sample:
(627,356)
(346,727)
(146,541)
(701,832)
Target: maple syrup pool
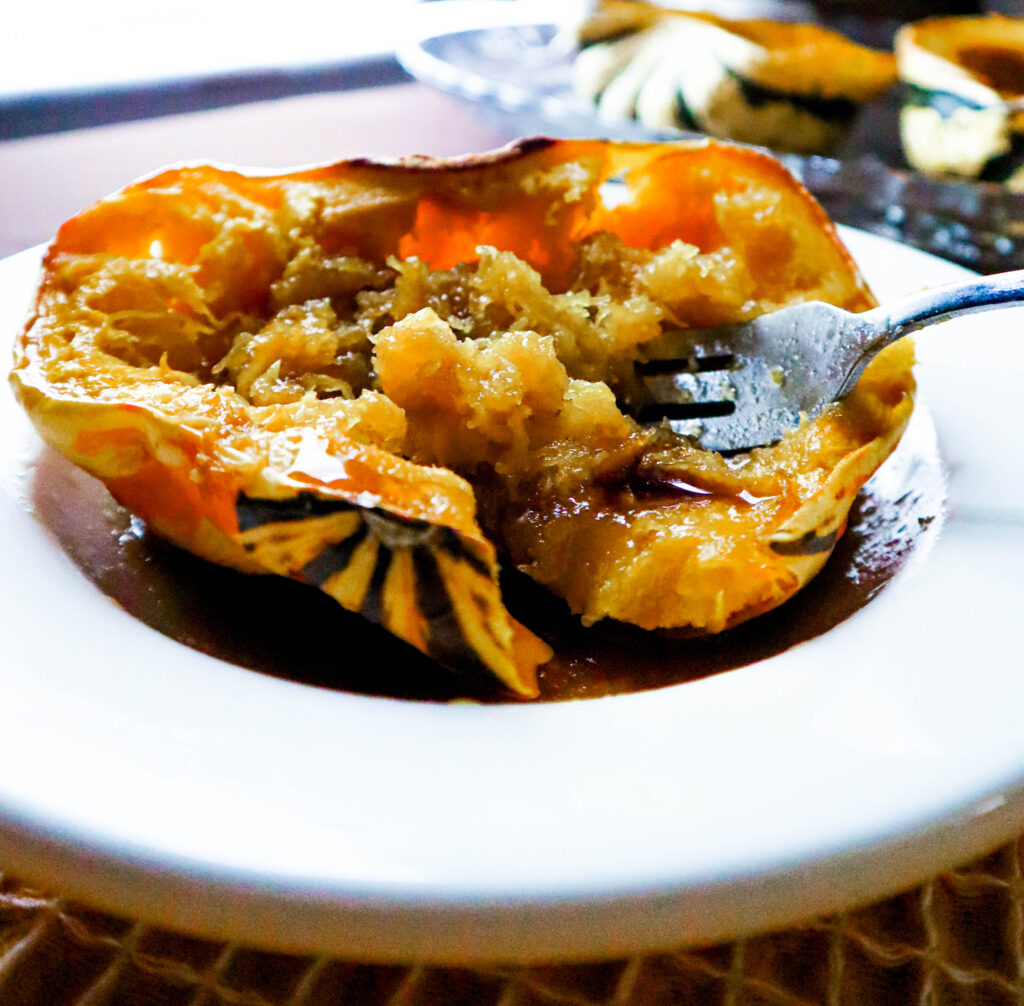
(275,626)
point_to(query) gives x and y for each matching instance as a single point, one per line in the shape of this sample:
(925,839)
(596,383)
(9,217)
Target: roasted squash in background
(791,87)
(376,378)
(963,82)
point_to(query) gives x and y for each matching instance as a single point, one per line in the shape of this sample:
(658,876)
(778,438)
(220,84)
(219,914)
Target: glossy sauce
(279,627)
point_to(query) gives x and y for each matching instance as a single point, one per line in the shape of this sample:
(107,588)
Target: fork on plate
(742,386)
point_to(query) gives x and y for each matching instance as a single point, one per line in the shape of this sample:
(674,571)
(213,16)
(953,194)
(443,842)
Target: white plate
(143,776)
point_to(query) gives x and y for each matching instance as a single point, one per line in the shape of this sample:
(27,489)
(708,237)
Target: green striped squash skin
(384,537)
(946,104)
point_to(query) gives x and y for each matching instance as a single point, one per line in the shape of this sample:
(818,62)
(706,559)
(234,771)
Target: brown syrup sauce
(998,67)
(278,627)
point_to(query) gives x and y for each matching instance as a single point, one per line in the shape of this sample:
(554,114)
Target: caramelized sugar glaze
(374,379)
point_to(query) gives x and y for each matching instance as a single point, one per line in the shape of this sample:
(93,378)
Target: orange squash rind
(390,488)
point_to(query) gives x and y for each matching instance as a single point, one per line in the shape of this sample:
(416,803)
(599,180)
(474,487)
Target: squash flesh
(434,346)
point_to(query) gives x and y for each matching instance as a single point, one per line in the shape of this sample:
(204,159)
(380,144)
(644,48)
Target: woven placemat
(954,941)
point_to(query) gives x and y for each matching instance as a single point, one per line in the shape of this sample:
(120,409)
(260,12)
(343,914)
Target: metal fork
(741,386)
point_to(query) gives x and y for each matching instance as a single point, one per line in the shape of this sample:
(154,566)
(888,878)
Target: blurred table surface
(46,179)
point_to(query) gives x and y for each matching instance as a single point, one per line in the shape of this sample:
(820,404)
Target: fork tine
(697,346)
(761,411)
(789,364)
(685,388)
(771,383)
(736,406)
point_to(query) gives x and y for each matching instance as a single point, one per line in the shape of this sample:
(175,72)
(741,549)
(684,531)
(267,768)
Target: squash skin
(276,490)
(963,80)
(790,87)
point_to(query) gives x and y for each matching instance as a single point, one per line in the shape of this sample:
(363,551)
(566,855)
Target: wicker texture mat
(954,941)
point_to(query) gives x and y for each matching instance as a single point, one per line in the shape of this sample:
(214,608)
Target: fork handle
(886,324)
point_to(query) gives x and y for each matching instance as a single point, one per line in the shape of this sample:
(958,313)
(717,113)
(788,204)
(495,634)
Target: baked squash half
(963,106)
(377,377)
(792,87)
